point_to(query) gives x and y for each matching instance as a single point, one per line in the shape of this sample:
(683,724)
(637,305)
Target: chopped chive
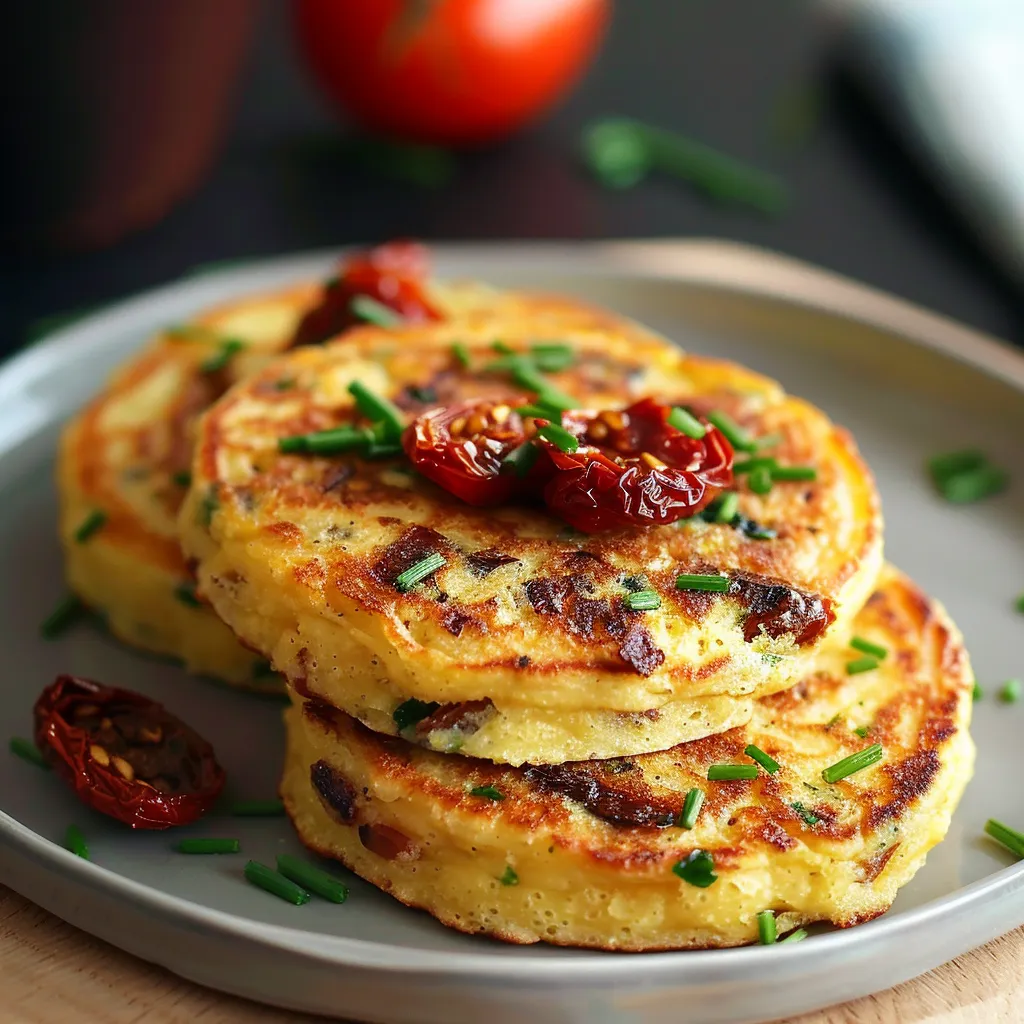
(977,693)
(461,354)
(1010,692)
(757,462)
(502,347)
(257,808)
(950,464)
(69,609)
(736,435)
(974,485)
(284,384)
(769,764)
(809,817)
(760,480)
(858,665)
(698,868)
(795,473)
(75,842)
(862,731)
(526,375)
(686,422)
(692,804)
(755,531)
(411,711)
(490,792)
(559,437)
(508,876)
(833,720)
(1009,837)
(207,846)
(188,332)
(220,359)
(798,936)
(766,927)
(552,357)
(731,772)
(208,506)
(702,581)
(186,594)
(858,643)
(273,882)
(419,572)
(93,522)
(643,601)
(521,459)
(728,507)
(367,308)
(1019,603)
(312,878)
(379,410)
(854,763)
(768,441)
(27,751)
(182,479)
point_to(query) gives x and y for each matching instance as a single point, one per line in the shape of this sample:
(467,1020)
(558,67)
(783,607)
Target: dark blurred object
(110,112)
(451,72)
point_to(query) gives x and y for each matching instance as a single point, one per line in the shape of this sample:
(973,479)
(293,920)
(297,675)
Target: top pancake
(299,554)
(128,453)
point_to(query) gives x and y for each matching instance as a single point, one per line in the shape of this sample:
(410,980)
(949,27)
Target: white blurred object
(951,74)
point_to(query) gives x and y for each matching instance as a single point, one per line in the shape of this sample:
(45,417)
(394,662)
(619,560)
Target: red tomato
(395,274)
(633,469)
(462,448)
(125,755)
(448,71)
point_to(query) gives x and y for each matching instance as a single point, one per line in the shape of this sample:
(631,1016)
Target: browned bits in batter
(483,563)
(336,793)
(388,842)
(467,717)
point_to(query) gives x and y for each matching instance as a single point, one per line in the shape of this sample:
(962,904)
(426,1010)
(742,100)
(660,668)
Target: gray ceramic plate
(907,383)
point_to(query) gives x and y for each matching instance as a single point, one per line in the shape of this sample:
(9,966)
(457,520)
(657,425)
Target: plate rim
(724,266)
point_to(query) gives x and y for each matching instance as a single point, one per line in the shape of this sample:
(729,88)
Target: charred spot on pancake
(909,780)
(466,717)
(336,793)
(547,594)
(388,842)
(639,650)
(523,660)
(874,866)
(629,803)
(455,621)
(776,609)
(483,563)
(413,546)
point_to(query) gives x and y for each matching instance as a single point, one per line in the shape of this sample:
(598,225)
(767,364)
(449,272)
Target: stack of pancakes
(506,743)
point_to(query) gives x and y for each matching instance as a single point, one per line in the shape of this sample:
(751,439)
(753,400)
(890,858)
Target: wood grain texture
(51,973)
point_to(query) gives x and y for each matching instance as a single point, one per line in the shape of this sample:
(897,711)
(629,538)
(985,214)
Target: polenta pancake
(500,631)
(604,854)
(125,460)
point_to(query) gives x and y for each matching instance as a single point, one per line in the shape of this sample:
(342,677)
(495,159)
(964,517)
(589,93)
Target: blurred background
(148,141)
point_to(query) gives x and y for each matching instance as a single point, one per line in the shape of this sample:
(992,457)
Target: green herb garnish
(731,772)
(490,792)
(727,508)
(1010,692)
(27,751)
(69,609)
(809,817)
(371,311)
(186,594)
(739,438)
(702,581)
(686,422)
(208,846)
(411,711)
(1019,603)
(417,573)
(858,665)
(508,876)
(334,441)
(770,765)
(182,479)
(521,459)
(208,506)
(271,881)
(876,651)
(760,480)
(642,601)
(854,763)
(257,808)
(698,869)
(798,936)
(559,437)
(461,354)
(862,731)
(551,357)
(692,804)
(1009,837)
(378,410)
(786,473)
(220,359)
(75,842)
(93,522)
(312,878)
(766,927)
(966,476)
(977,693)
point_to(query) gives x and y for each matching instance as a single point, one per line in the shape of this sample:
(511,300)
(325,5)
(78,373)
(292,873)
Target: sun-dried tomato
(126,755)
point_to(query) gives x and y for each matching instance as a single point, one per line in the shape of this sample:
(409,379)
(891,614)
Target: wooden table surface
(51,973)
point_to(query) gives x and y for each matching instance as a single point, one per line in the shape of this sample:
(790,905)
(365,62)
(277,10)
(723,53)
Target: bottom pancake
(592,853)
